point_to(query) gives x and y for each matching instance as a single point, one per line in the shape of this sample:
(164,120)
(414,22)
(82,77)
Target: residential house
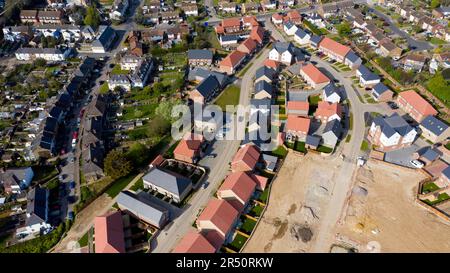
(327,111)
(331,133)
(29,16)
(228,40)
(366,77)
(389,49)
(141,74)
(232,62)
(37,214)
(119,80)
(282,52)
(263,90)
(245,159)
(415,62)
(270,162)
(315,41)
(189,149)
(444,178)
(290,29)
(206,90)
(391,133)
(381,92)
(143,208)
(170,17)
(51,16)
(265,74)
(194,242)
(257,34)
(48,54)
(297,128)
(189,9)
(331,94)
(333,49)
(272,64)
(352,60)
(109,233)
(169,184)
(316,19)
(298,108)
(229,26)
(249,7)
(434,129)
(312,142)
(441,12)
(118,10)
(220,217)
(314,77)
(415,106)
(302,37)
(129,62)
(294,17)
(228,7)
(92,165)
(237,189)
(200,57)
(16,179)
(248,46)
(105,38)
(277,19)
(268,5)
(249,22)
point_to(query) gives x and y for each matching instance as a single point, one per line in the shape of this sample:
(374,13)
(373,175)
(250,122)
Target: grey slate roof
(430,154)
(301,33)
(288,24)
(105,37)
(334,127)
(119,79)
(263,86)
(315,40)
(352,57)
(434,125)
(142,208)
(366,74)
(313,140)
(380,88)
(282,47)
(330,89)
(446,172)
(173,183)
(199,54)
(202,73)
(229,38)
(37,205)
(208,86)
(265,71)
(260,104)
(393,124)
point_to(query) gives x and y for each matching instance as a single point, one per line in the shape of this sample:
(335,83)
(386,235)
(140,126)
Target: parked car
(417,163)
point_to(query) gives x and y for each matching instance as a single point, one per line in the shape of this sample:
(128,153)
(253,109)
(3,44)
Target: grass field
(364,145)
(230,96)
(142,111)
(118,71)
(118,185)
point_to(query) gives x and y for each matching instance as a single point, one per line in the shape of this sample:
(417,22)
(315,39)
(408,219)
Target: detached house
(190,148)
(332,133)
(366,77)
(297,128)
(245,159)
(314,76)
(331,94)
(265,74)
(352,60)
(328,111)
(282,52)
(389,49)
(415,106)
(289,28)
(206,90)
(381,92)
(237,189)
(232,62)
(109,233)
(263,90)
(194,242)
(277,19)
(415,62)
(391,133)
(434,129)
(302,37)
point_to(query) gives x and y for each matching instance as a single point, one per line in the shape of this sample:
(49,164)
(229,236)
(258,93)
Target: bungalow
(248,46)
(415,62)
(263,90)
(333,49)
(390,133)
(366,77)
(331,133)
(189,149)
(200,57)
(206,90)
(218,216)
(352,60)
(314,76)
(415,106)
(297,128)
(169,184)
(302,37)
(289,28)
(109,233)
(143,208)
(232,62)
(282,52)
(265,74)
(194,242)
(381,92)
(245,159)
(434,129)
(331,94)
(327,112)
(389,49)
(237,189)
(298,108)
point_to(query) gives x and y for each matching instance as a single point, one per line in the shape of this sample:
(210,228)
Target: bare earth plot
(382,211)
(298,196)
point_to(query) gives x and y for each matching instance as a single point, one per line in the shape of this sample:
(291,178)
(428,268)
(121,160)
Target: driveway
(403,156)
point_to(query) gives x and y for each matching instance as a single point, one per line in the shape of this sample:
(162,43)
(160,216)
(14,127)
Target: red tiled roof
(333,46)
(298,124)
(248,154)
(157,161)
(250,20)
(231,22)
(294,15)
(326,109)
(221,214)
(232,59)
(194,242)
(109,236)
(220,29)
(277,16)
(418,103)
(257,34)
(241,184)
(314,74)
(261,181)
(272,64)
(298,105)
(189,145)
(250,44)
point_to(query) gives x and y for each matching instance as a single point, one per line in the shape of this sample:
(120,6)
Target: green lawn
(177,60)
(314,100)
(347,139)
(118,185)
(256,211)
(104,88)
(364,146)
(263,197)
(437,41)
(248,225)
(43,173)
(212,38)
(142,111)
(238,242)
(169,152)
(298,146)
(118,71)
(442,197)
(139,185)
(230,96)
(280,151)
(439,87)
(429,187)
(84,240)
(447,146)
(324,149)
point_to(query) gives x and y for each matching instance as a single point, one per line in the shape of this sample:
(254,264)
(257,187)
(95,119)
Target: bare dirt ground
(297,199)
(382,213)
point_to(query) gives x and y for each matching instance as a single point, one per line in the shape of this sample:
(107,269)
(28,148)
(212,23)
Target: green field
(118,185)
(440,88)
(429,187)
(142,111)
(230,96)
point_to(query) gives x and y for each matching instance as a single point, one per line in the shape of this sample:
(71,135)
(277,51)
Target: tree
(159,88)
(92,17)
(138,154)
(39,62)
(435,4)
(116,164)
(344,29)
(158,127)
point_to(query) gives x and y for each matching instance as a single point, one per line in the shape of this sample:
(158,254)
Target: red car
(75,135)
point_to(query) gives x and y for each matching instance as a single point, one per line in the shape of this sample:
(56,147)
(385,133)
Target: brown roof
(221,214)
(418,103)
(109,235)
(231,22)
(28,13)
(232,59)
(194,242)
(248,154)
(257,34)
(241,184)
(314,74)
